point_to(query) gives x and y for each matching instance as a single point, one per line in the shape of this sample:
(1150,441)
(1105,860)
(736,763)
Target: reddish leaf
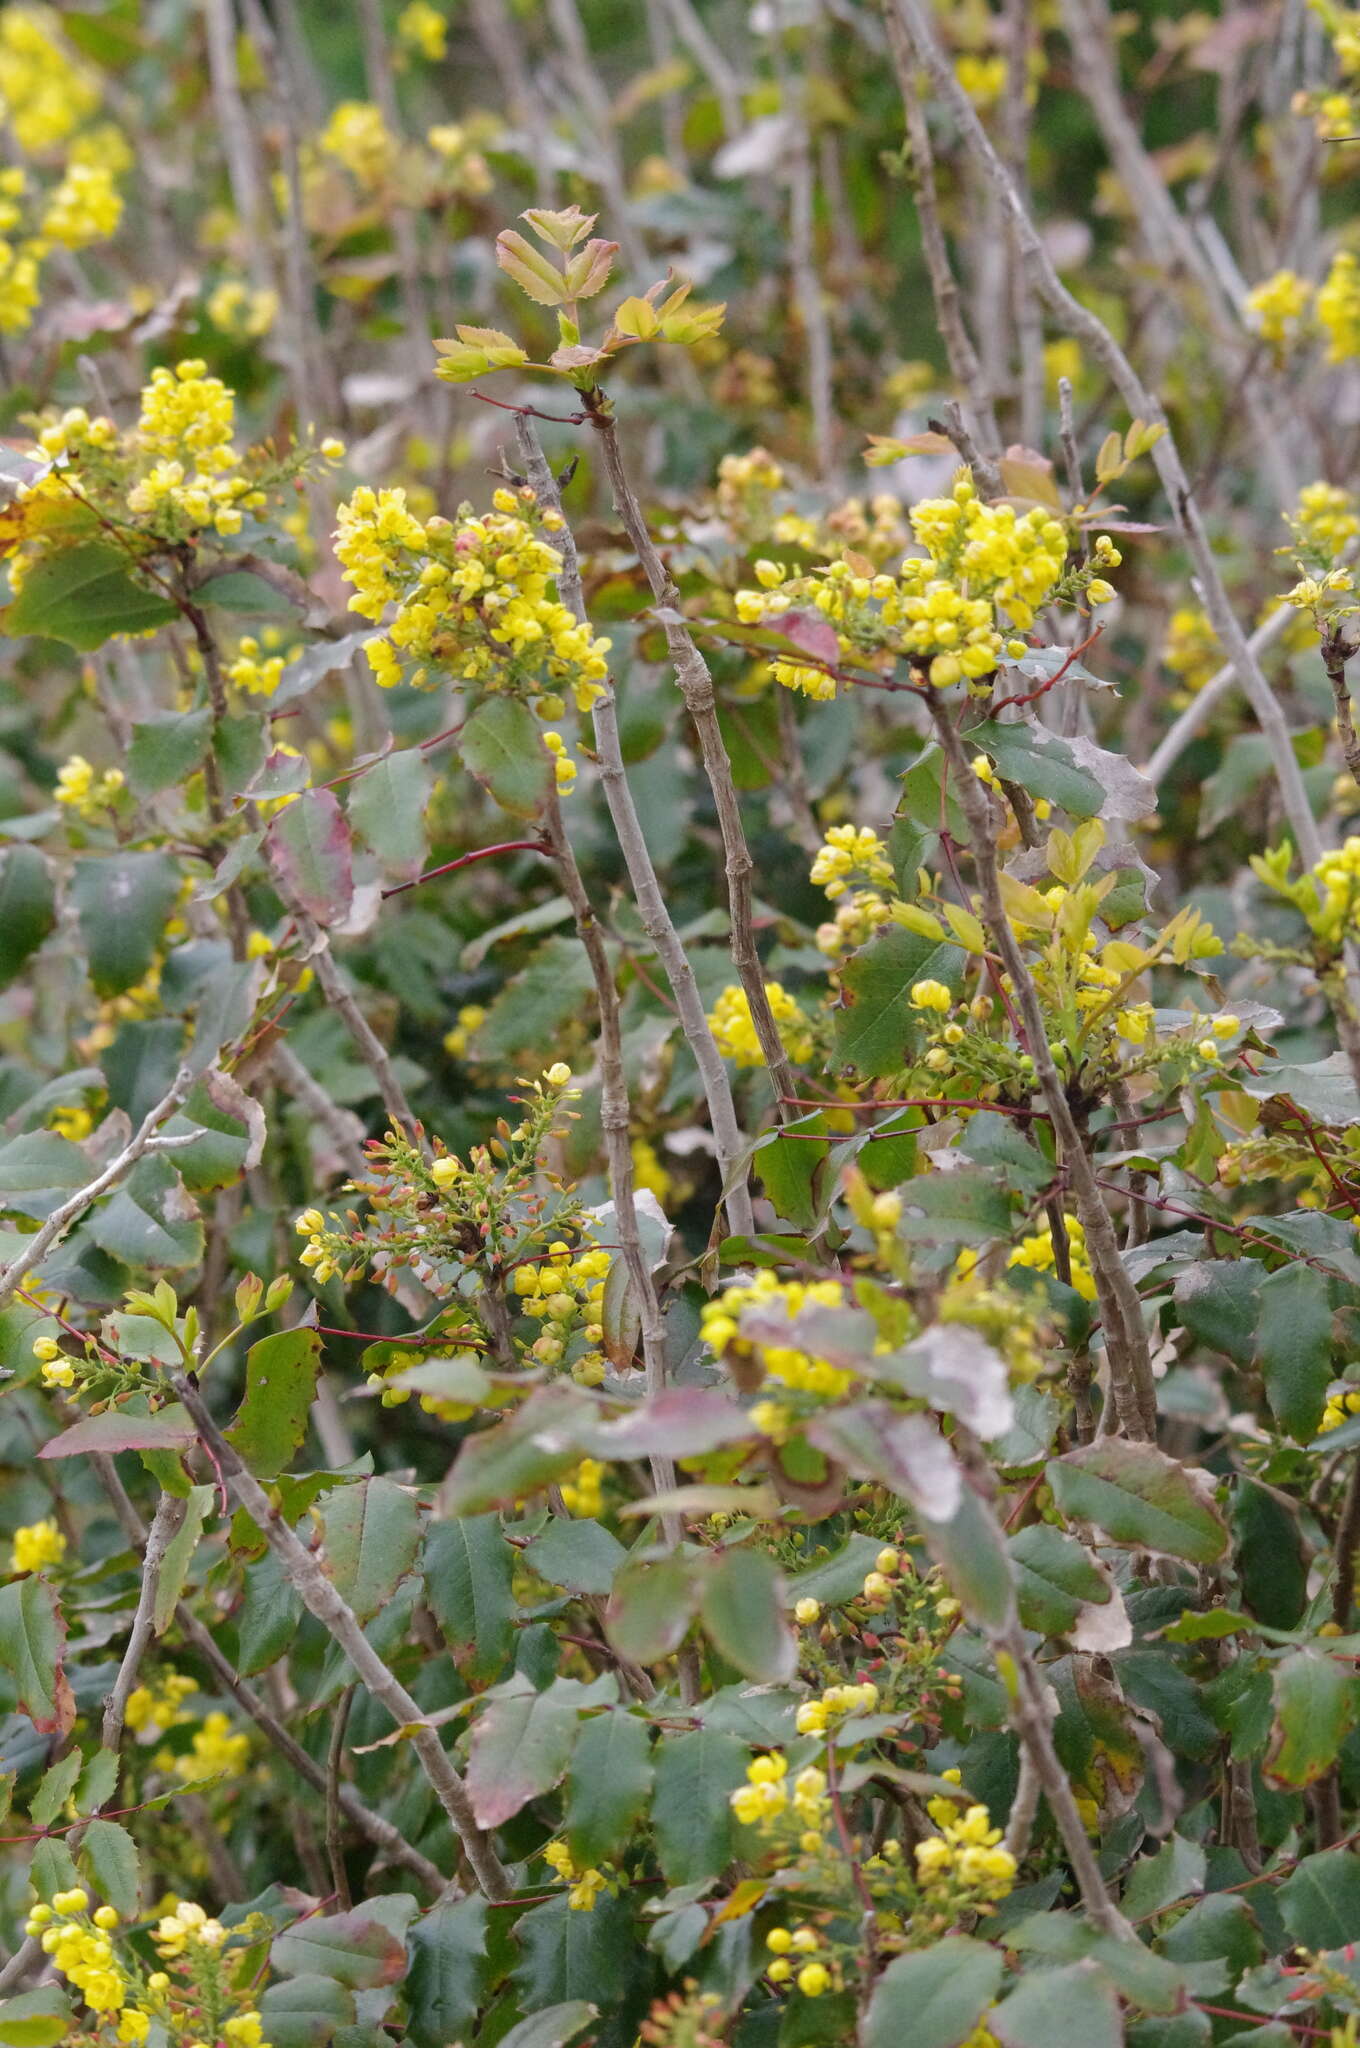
(308,849)
(117,1430)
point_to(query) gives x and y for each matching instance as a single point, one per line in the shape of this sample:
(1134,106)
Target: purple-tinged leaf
(308,849)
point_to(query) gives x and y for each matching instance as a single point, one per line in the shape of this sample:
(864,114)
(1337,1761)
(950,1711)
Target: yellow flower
(424,29)
(37,1544)
(930,995)
(730,1022)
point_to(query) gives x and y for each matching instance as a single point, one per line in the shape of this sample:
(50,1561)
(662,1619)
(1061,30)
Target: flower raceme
(985,572)
(36,1545)
(730,1022)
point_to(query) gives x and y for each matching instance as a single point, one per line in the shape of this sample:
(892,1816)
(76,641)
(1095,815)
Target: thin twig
(335,1756)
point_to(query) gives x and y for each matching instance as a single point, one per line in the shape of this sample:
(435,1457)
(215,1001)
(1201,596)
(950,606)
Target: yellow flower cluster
(767,1795)
(848,850)
(789,1945)
(217,1751)
(19,289)
(1191,649)
(71,1120)
(187,1927)
(814,1717)
(586,1885)
(1037,1253)
(81,790)
(238,309)
(650,1173)
(152,1709)
(187,420)
(475,597)
(311,1225)
(424,29)
(257,672)
(1337,876)
(982,78)
(721,1329)
(461,168)
(1338,307)
(730,1022)
(745,485)
(583,1493)
(45,91)
(357,137)
(79,1946)
(84,208)
(57,1369)
(966,1855)
(1340,1407)
(1278,309)
(1325,518)
(986,570)
(566,1294)
(37,1544)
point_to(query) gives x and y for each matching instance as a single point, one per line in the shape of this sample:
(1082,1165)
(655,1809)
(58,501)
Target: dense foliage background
(679,1027)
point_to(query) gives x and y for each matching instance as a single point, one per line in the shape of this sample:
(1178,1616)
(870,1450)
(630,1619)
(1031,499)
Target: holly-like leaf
(308,849)
(109,1858)
(449,1967)
(150,1220)
(1294,1346)
(84,596)
(469,1573)
(1056,1579)
(521,1745)
(526,1451)
(502,745)
(1072,2007)
(124,1429)
(607,1786)
(371,1532)
(742,1604)
(696,1775)
(1315,1707)
(165,750)
(1045,766)
(387,806)
(306,2011)
(28,908)
(875,1028)
(280,1384)
(35,2019)
(1141,1497)
(353,1949)
(122,901)
(934,1998)
(32,1635)
(651,1607)
(1320,1900)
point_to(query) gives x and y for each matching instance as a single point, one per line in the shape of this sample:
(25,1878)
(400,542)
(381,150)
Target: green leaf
(150,1220)
(469,1574)
(269,1616)
(1055,1577)
(551,2028)
(1315,1702)
(934,1998)
(969,1206)
(502,745)
(1294,1347)
(280,1385)
(529,1014)
(651,1607)
(1140,1497)
(306,2011)
(371,1531)
(179,1555)
(1175,1872)
(521,1745)
(108,1855)
(839,1577)
(28,908)
(354,1949)
(54,1789)
(580,1557)
(742,1605)
(448,1972)
(1320,1900)
(1218,1300)
(307,846)
(84,596)
(519,1455)
(563,1956)
(608,1785)
(1045,766)
(32,1633)
(387,806)
(968,1548)
(789,1168)
(874,1029)
(42,1163)
(696,1775)
(1072,2007)
(35,2019)
(1272,1559)
(124,1429)
(1324,1089)
(165,750)
(122,901)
